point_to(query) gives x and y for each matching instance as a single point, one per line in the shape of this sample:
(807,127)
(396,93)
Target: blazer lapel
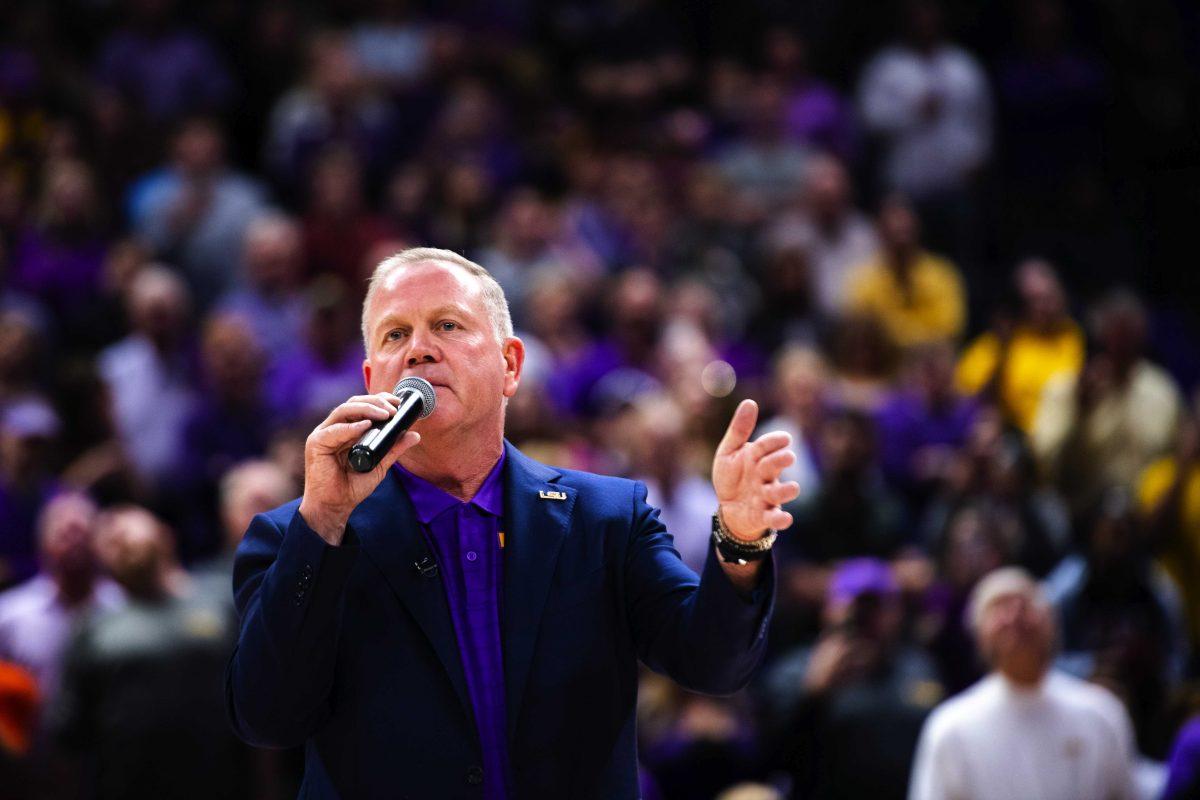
(535,526)
(390,535)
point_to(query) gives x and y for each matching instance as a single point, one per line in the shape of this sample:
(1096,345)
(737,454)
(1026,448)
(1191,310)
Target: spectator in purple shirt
(59,258)
(325,366)
(923,424)
(272,299)
(165,69)
(816,115)
(26,484)
(229,423)
(333,106)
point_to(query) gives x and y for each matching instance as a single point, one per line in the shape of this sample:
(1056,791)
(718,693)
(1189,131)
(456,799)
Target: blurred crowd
(944,244)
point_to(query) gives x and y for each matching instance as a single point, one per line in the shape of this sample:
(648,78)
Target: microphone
(417,401)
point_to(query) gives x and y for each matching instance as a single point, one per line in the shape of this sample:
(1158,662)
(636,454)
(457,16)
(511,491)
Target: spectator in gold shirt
(1012,363)
(918,297)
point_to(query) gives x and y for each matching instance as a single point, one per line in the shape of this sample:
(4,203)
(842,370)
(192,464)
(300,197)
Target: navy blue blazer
(351,651)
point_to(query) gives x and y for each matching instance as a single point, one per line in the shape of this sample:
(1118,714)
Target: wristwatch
(740,551)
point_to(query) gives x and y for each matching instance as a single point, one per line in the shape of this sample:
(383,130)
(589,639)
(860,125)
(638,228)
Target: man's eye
(394,335)
(449,326)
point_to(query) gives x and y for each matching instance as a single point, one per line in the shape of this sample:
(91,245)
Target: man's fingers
(339,435)
(771,465)
(770,442)
(740,427)
(359,404)
(354,411)
(778,519)
(780,493)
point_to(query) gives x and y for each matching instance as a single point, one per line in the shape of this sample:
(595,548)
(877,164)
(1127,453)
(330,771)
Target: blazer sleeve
(701,632)
(288,587)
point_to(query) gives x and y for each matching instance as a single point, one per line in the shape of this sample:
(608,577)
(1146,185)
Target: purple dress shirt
(465,538)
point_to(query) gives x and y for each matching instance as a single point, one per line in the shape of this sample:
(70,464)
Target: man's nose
(421,350)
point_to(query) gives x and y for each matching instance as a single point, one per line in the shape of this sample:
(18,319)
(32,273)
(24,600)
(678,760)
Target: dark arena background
(952,247)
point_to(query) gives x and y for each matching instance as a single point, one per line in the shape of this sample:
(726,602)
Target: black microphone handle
(376,442)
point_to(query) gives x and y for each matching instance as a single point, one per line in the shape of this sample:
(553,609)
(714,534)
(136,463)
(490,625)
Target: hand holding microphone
(349,453)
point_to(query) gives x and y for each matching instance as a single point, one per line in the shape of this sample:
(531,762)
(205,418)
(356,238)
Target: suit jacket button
(474,775)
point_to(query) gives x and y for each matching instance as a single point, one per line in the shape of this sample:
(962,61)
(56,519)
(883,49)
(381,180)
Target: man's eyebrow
(449,308)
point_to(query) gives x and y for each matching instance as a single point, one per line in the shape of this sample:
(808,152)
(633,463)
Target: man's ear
(367,375)
(514,362)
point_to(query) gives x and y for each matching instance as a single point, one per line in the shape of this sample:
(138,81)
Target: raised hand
(746,476)
(331,489)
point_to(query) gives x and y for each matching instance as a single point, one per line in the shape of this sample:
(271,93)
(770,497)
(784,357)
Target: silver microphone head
(421,387)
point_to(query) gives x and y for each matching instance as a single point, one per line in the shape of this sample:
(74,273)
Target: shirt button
(474,775)
(471,556)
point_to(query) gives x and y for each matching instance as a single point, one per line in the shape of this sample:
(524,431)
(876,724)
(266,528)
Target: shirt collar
(429,501)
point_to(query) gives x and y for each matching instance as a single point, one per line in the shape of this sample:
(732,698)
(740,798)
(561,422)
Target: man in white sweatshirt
(1024,731)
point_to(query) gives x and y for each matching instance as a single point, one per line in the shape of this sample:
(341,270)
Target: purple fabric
(465,538)
(63,274)
(304,386)
(817,116)
(905,426)
(1183,767)
(168,74)
(19,510)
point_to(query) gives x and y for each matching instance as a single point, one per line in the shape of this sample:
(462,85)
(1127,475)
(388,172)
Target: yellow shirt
(932,309)
(1127,429)
(1180,554)
(1033,359)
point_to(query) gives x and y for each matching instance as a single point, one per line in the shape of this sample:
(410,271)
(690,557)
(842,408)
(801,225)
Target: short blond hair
(494,301)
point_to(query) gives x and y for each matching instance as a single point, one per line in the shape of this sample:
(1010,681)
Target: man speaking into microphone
(460,621)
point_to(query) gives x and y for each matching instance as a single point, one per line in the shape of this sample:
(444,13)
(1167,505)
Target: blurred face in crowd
(18,346)
(329,321)
(1041,295)
(158,304)
(336,74)
(27,432)
(249,489)
(69,198)
(800,378)
(233,360)
(65,538)
(527,223)
(1015,629)
(847,443)
(765,109)
(935,372)
(658,442)
(972,548)
(871,616)
(789,279)
(828,190)
(429,319)
(556,299)
(923,19)
(337,185)
(137,551)
(708,195)
(199,148)
(638,306)
(898,226)
(274,256)
(1113,540)
(1121,331)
